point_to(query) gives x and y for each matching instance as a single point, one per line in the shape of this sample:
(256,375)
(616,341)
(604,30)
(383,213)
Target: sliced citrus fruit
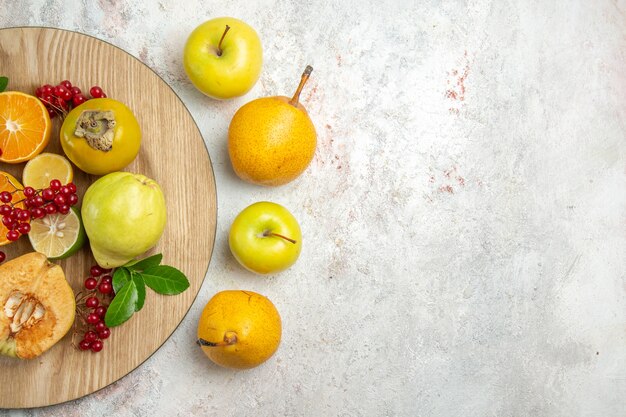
(24,127)
(12,185)
(45,167)
(57,236)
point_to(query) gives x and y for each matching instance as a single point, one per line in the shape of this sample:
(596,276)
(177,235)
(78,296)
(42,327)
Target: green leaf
(4,81)
(123,305)
(142,264)
(165,279)
(141,290)
(120,277)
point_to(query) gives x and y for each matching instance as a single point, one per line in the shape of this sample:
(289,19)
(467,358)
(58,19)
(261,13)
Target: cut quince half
(37,306)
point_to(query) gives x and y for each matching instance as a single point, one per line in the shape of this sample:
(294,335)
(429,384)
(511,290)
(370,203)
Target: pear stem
(230,338)
(219,45)
(268,233)
(305,76)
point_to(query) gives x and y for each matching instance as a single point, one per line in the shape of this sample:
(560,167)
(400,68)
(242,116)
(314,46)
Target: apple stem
(219,45)
(305,76)
(230,338)
(268,233)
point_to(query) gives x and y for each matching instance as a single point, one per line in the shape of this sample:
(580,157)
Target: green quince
(124,215)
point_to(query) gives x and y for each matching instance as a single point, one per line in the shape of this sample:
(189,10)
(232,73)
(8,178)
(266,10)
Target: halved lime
(57,235)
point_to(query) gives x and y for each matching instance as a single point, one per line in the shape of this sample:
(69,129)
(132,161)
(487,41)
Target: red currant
(47,98)
(92,318)
(84,345)
(101,310)
(6,197)
(23,228)
(97,346)
(91,283)
(78,100)
(55,185)
(59,200)
(107,278)
(96,92)
(13,235)
(50,209)
(39,92)
(104,334)
(7,221)
(51,113)
(72,187)
(59,90)
(95,271)
(63,209)
(14,213)
(3,256)
(90,336)
(37,213)
(100,326)
(47,89)
(66,83)
(47,194)
(5,209)
(72,199)
(105,288)
(38,201)
(29,191)
(65,190)
(23,215)
(92,302)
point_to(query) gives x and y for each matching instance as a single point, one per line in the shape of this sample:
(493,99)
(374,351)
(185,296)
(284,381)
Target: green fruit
(124,215)
(58,236)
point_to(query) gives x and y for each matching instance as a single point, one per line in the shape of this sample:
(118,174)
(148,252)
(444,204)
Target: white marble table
(464,217)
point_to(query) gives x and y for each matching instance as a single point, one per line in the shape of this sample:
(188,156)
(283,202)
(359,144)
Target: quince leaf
(145,263)
(165,279)
(123,305)
(141,290)
(4,81)
(120,277)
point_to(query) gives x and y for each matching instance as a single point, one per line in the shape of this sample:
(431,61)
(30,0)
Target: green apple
(265,238)
(223,57)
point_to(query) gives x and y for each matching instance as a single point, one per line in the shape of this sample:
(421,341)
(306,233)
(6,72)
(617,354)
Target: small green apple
(223,57)
(265,238)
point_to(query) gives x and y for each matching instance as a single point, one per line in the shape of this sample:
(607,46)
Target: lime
(57,235)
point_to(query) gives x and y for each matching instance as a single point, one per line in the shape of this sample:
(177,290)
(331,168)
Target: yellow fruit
(37,306)
(101,136)
(272,140)
(45,167)
(239,329)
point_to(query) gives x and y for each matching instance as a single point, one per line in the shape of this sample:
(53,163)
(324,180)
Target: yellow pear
(272,140)
(239,329)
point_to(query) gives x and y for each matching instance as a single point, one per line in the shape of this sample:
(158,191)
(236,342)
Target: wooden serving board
(172,153)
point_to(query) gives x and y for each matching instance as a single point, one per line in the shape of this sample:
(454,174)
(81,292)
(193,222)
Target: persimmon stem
(305,76)
(268,233)
(219,45)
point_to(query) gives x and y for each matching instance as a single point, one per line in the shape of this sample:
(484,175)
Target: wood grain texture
(172,153)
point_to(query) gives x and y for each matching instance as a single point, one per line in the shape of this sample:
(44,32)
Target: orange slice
(45,167)
(24,127)
(10,184)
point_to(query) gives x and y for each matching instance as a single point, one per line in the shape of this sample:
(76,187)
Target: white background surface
(464,217)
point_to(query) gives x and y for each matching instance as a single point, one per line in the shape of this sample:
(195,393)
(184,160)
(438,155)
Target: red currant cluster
(57,198)
(60,98)
(94,329)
